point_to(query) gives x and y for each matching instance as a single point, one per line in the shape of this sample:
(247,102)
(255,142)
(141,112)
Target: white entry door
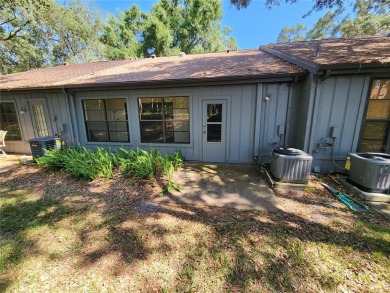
(214,130)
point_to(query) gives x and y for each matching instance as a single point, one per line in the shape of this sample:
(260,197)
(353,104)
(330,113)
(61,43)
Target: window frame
(84,121)
(190,144)
(18,121)
(364,118)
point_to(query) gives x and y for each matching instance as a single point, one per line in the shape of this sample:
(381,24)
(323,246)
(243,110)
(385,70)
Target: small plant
(171,184)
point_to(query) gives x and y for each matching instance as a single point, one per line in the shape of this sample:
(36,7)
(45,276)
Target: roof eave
(355,65)
(172,82)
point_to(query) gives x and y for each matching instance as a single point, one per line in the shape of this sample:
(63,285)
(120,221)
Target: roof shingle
(325,53)
(236,64)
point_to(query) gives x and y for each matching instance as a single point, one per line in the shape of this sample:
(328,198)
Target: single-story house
(328,98)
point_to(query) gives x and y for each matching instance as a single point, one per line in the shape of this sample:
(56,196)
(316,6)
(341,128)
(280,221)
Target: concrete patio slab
(223,185)
(9,162)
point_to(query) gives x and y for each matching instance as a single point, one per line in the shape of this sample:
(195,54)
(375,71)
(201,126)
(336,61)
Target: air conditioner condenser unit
(290,165)
(370,172)
(41,144)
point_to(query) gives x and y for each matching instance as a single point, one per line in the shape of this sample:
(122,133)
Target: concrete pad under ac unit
(368,196)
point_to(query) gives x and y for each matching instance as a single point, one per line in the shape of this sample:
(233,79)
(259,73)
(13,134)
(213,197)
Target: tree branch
(7,21)
(14,33)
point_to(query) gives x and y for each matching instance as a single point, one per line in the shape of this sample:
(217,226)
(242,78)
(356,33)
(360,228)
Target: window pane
(373,146)
(94,105)
(177,108)
(378,109)
(7,108)
(380,89)
(375,130)
(214,132)
(97,136)
(152,131)
(115,104)
(178,137)
(119,136)
(151,108)
(106,120)
(179,102)
(116,109)
(115,115)
(93,115)
(9,121)
(117,126)
(177,126)
(99,126)
(214,112)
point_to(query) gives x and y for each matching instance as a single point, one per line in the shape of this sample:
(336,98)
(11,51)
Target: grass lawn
(58,234)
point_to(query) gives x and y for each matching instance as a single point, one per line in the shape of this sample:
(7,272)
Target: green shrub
(91,164)
(145,165)
(79,162)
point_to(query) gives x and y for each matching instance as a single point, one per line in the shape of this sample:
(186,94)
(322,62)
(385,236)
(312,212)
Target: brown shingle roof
(46,77)
(373,50)
(236,64)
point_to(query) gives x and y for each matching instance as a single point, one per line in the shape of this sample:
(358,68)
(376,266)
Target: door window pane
(106,120)
(214,112)
(40,120)
(164,120)
(214,132)
(9,121)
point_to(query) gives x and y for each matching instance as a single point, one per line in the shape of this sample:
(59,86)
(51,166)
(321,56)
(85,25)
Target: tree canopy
(172,26)
(369,17)
(37,33)
(318,5)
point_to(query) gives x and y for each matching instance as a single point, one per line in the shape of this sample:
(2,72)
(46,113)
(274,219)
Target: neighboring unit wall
(339,104)
(273,103)
(302,98)
(57,115)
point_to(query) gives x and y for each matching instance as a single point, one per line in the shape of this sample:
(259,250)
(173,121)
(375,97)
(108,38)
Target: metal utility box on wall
(370,172)
(41,144)
(290,165)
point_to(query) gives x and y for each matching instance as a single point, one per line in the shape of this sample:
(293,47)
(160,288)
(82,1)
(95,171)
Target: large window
(106,120)
(164,120)
(9,121)
(375,137)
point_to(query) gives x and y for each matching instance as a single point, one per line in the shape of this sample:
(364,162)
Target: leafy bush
(80,162)
(92,164)
(145,165)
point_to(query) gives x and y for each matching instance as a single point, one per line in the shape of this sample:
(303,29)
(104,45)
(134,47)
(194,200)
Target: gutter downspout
(73,116)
